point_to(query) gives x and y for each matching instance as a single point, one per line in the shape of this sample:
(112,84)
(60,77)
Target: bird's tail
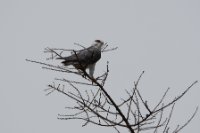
(60,58)
(67,63)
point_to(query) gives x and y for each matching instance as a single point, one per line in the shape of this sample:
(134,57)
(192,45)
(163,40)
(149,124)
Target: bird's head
(98,44)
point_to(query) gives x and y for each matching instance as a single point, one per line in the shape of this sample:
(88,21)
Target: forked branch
(94,105)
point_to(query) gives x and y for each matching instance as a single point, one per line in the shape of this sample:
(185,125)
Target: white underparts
(91,69)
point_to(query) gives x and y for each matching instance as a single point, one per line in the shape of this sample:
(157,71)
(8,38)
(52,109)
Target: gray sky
(160,37)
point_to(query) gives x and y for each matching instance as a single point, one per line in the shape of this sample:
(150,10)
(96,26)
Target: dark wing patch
(85,57)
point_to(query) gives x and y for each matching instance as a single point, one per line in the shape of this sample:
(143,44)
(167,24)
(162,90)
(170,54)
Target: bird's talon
(84,76)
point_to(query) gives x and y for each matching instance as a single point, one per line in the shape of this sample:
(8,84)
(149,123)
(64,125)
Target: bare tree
(96,106)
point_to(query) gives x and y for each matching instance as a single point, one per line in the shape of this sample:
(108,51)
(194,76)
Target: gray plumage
(85,58)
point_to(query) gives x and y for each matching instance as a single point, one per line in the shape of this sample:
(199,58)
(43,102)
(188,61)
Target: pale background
(160,37)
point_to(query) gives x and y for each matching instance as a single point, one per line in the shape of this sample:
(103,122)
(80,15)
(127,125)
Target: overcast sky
(161,37)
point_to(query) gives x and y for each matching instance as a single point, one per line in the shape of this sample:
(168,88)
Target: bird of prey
(85,58)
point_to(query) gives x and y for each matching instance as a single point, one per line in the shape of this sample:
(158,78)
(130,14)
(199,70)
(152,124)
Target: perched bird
(85,58)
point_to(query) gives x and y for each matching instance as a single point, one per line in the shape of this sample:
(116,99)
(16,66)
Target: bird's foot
(93,80)
(84,76)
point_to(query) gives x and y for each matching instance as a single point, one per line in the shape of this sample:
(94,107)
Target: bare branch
(169,118)
(98,107)
(189,120)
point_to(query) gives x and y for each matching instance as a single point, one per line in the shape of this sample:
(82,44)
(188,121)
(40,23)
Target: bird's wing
(86,56)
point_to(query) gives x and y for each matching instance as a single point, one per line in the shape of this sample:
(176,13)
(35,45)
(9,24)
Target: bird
(85,58)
